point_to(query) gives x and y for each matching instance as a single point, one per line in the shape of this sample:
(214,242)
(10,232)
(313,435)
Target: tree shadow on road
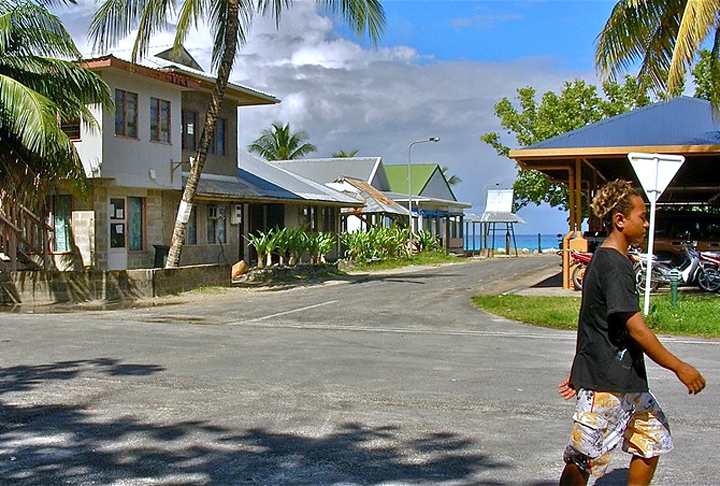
(62,443)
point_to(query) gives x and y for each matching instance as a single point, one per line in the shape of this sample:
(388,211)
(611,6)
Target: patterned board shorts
(602,419)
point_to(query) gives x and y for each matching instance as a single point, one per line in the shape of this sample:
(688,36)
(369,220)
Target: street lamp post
(486,225)
(409,182)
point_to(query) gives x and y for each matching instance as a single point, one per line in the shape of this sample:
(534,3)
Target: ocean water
(528,241)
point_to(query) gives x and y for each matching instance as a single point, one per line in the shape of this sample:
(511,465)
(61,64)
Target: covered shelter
(378,211)
(487,225)
(587,157)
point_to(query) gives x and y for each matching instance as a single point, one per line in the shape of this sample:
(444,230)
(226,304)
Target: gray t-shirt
(606,358)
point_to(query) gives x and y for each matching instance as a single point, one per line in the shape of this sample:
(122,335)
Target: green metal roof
(421,174)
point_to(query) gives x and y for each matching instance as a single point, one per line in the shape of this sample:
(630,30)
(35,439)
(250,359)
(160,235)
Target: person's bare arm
(565,390)
(653,348)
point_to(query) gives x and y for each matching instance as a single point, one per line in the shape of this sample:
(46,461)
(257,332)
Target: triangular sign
(655,171)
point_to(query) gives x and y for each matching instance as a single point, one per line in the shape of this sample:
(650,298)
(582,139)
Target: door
(117,231)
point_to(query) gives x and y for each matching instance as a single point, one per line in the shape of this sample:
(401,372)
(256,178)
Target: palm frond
(28,114)
(365,16)
(32,29)
(699,17)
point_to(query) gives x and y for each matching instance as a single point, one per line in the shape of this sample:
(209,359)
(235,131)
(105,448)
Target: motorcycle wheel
(709,280)
(654,282)
(578,276)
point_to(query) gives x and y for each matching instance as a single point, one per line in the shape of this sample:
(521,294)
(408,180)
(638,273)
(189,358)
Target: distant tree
(577,105)
(452,180)
(341,154)
(280,143)
(704,87)
(39,92)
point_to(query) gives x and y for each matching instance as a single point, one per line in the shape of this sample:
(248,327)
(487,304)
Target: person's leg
(573,476)
(642,470)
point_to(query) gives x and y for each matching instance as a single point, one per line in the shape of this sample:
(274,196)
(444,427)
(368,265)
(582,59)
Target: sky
(437,71)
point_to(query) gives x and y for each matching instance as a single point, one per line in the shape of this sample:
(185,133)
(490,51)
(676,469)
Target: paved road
(391,379)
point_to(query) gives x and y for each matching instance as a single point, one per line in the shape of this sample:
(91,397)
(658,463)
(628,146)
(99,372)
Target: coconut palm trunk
(196,166)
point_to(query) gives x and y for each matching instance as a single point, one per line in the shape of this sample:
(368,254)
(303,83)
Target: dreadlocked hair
(614,197)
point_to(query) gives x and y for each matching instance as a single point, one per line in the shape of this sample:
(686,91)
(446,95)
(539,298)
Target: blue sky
(439,69)
(498,30)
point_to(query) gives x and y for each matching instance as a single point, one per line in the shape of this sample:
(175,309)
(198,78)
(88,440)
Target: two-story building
(137,164)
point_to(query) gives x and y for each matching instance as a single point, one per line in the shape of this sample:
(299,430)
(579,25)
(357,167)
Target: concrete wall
(41,288)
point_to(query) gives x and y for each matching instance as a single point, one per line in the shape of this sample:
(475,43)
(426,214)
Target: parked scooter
(693,270)
(580,260)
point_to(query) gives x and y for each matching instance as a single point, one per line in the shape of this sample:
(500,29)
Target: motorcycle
(580,260)
(694,269)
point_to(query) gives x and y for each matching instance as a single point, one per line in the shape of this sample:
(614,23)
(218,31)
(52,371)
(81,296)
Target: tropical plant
(260,242)
(324,242)
(341,154)
(664,37)
(357,245)
(426,241)
(577,105)
(39,92)
(304,245)
(282,238)
(296,244)
(376,244)
(231,21)
(272,245)
(279,143)
(451,179)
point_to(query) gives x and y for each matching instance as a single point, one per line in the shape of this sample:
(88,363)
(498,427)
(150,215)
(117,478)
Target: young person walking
(608,376)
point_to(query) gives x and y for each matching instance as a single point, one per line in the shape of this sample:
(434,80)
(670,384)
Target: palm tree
(341,154)
(38,92)
(663,35)
(452,180)
(231,20)
(278,143)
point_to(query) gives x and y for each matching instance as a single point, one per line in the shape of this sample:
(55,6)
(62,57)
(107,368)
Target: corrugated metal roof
(259,180)
(499,217)
(329,170)
(375,201)
(679,121)
(269,175)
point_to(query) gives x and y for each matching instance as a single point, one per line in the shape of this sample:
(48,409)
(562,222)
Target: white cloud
(376,100)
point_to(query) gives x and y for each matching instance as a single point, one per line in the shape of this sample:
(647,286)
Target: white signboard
(655,172)
(500,200)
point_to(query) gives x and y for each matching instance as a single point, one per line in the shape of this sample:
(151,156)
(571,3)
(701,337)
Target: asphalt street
(385,379)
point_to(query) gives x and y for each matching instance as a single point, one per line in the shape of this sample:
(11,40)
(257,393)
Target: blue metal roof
(679,121)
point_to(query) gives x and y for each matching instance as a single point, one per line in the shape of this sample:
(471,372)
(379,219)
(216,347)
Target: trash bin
(161,254)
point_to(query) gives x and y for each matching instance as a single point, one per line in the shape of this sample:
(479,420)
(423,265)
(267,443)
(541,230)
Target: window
(71,127)
(189,127)
(126,104)
(136,223)
(216,225)
(159,120)
(117,222)
(61,222)
(191,231)
(327,216)
(217,146)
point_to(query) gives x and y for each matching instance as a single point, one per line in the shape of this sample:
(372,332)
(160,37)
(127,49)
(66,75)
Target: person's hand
(691,378)
(565,390)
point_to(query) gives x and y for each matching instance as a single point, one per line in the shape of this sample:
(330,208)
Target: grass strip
(694,315)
